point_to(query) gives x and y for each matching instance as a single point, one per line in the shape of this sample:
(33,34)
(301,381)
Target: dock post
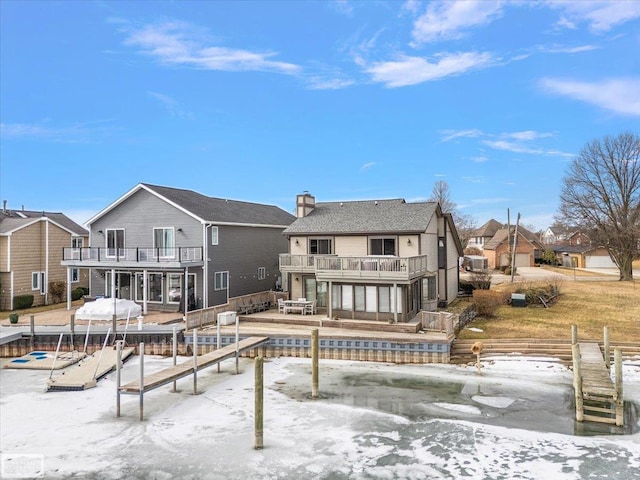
(118,375)
(577,382)
(259,405)
(195,361)
(32,325)
(314,363)
(607,349)
(73,330)
(175,354)
(115,327)
(237,343)
(218,342)
(574,334)
(617,355)
(141,353)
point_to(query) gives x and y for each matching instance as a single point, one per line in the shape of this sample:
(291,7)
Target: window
(38,282)
(442,253)
(76,242)
(164,241)
(115,242)
(261,273)
(320,246)
(359,298)
(75,275)
(383,246)
(214,235)
(221,281)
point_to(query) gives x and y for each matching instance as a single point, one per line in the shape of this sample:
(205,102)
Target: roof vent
(376,202)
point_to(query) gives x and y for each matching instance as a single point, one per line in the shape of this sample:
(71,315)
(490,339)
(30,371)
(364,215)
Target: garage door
(523,260)
(599,261)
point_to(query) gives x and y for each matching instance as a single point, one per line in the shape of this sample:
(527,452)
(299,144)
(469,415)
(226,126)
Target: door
(523,260)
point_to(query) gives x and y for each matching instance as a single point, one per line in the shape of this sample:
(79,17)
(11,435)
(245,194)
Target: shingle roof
(489,229)
(370,216)
(502,234)
(14,219)
(211,209)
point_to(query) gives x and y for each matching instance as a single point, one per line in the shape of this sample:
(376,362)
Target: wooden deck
(86,373)
(599,395)
(184,369)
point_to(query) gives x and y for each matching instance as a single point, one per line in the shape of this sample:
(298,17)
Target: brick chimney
(305,204)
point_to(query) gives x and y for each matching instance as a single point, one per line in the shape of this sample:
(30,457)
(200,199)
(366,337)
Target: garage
(523,260)
(598,261)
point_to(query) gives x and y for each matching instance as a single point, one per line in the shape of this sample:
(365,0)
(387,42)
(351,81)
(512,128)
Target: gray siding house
(154,243)
(377,259)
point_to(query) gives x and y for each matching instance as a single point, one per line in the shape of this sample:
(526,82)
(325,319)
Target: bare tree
(601,194)
(465,223)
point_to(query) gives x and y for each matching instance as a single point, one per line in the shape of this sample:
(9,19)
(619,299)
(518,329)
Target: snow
(103,308)
(373,421)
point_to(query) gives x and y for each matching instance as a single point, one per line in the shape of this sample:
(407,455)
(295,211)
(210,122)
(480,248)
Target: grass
(590,305)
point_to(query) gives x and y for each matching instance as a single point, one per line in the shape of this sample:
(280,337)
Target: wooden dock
(595,392)
(86,373)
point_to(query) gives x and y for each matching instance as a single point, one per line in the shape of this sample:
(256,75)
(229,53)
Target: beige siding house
(31,245)
(380,260)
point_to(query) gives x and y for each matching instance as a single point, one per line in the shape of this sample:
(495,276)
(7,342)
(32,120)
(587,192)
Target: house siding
(351,246)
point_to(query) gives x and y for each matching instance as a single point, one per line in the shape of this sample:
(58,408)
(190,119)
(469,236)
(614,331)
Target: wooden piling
(141,399)
(314,363)
(114,321)
(577,382)
(195,361)
(118,374)
(218,340)
(617,355)
(237,344)
(259,403)
(574,334)
(73,330)
(175,355)
(607,349)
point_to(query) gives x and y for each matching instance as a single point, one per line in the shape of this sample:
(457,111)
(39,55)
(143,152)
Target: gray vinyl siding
(241,251)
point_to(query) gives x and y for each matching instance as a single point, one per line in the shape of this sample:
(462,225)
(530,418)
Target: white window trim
(106,240)
(164,248)
(36,276)
(262,273)
(77,275)
(214,238)
(221,275)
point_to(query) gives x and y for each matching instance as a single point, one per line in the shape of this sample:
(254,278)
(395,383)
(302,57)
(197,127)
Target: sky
(349,100)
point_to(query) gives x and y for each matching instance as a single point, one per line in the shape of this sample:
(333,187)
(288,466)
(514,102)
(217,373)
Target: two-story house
(484,234)
(154,243)
(31,246)
(499,250)
(376,259)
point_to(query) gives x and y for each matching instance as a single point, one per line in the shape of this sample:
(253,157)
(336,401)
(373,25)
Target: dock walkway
(598,393)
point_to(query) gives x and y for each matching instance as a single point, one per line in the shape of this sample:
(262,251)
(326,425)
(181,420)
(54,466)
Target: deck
(171,374)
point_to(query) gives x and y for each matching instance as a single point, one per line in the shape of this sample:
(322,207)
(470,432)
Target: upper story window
(442,252)
(262,273)
(164,241)
(115,241)
(320,246)
(76,242)
(214,235)
(382,246)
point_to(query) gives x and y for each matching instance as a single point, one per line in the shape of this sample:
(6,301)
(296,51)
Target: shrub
(487,302)
(56,289)
(22,301)
(78,292)
(13,317)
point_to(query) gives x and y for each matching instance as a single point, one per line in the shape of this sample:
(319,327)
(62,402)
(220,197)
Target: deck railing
(137,254)
(325,266)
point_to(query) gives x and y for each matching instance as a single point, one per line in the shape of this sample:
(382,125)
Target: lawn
(590,305)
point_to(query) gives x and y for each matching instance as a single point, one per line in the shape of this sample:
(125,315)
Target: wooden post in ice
(577,381)
(118,374)
(175,354)
(218,340)
(259,403)
(617,361)
(607,349)
(73,330)
(477,349)
(314,363)
(141,399)
(237,344)
(32,325)
(195,361)
(574,334)
(115,326)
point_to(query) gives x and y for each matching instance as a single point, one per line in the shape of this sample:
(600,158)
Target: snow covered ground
(374,421)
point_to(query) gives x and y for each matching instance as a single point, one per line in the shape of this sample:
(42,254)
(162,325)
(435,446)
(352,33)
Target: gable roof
(489,229)
(211,209)
(12,220)
(502,235)
(368,216)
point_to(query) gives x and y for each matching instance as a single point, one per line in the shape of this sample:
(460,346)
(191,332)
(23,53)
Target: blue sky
(259,101)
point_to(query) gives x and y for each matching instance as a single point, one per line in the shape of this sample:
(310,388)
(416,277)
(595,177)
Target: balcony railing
(138,254)
(332,266)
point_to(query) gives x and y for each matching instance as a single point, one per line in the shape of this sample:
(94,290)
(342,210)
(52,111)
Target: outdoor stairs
(530,347)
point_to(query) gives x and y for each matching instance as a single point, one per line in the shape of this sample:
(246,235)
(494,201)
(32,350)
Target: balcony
(96,257)
(332,267)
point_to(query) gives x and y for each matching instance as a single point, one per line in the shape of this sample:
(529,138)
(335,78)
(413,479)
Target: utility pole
(515,244)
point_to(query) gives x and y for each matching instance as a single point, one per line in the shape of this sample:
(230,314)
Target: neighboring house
(498,249)
(564,236)
(31,245)
(583,256)
(146,243)
(484,234)
(378,259)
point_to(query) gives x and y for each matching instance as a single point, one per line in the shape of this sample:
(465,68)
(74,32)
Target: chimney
(4,206)
(305,204)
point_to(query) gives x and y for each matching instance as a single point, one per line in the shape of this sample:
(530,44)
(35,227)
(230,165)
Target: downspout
(69,288)
(46,262)
(9,270)
(205,268)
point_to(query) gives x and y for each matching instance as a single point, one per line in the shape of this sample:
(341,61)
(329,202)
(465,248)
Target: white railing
(138,254)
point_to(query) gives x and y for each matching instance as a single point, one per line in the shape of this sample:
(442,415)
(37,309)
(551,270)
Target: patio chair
(281,308)
(311,308)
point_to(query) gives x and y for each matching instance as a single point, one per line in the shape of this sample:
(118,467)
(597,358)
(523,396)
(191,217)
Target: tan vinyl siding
(4,247)
(351,246)
(28,256)
(408,250)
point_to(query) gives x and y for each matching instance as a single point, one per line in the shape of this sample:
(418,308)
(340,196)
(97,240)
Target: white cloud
(77,133)
(618,95)
(479,159)
(319,83)
(564,49)
(446,20)
(170,104)
(414,70)
(528,135)
(367,166)
(178,43)
(519,147)
(475,179)
(453,134)
(601,15)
